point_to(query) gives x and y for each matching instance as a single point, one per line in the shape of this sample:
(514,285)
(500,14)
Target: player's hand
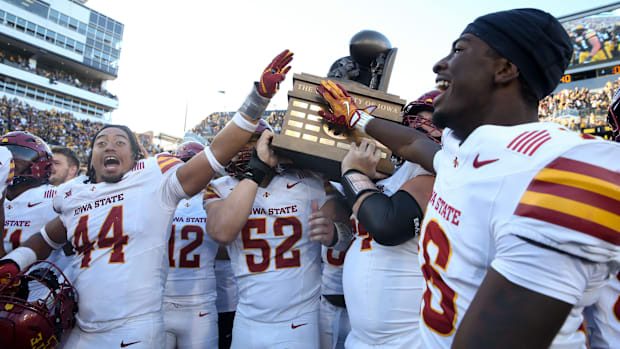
(321,226)
(8,270)
(265,151)
(274,74)
(344,111)
(363,158)
(145,153)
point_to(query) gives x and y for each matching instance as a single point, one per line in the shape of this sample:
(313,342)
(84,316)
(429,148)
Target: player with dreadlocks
(118,216)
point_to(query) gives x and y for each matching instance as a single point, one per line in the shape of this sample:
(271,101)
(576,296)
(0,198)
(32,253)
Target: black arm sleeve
(391,220)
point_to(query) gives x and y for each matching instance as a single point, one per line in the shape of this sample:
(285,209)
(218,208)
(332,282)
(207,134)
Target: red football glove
(8,270)
(274,73)
(344,110)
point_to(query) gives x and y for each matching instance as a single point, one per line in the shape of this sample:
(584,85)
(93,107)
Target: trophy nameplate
(313,143)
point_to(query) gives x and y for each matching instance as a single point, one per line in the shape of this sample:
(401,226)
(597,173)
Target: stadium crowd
(458,248)
(57,128)
(214,122)
(578,108)
(54,75)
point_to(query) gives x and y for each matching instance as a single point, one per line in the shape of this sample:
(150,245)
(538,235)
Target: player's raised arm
(197,172)
(412,145)
(228,216)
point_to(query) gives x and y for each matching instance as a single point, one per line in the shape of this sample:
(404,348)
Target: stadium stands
(57,128)
(578,108)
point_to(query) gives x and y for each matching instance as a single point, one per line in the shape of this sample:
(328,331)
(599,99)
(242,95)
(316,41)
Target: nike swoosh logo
(478,164)
(347,104)
(35,204)
(203,314)
(123,344)
(293,326)
(289,186)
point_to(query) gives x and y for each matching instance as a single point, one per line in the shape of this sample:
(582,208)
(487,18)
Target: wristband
(254,105)
(243,123)
(364,119)
(22,256)
(355,183)
(215,165)
(257,169)
(53,244)
(343,236)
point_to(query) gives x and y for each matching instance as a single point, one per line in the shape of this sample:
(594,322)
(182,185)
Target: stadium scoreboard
(590,74)
(595,35)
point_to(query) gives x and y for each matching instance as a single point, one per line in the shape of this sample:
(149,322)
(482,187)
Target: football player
(263,217)
(28,203)
(65,165)
(117,217)
(190,316)
(603,318)
(227,297)
(334,324)
(513,197)
(7,169)
(387,218)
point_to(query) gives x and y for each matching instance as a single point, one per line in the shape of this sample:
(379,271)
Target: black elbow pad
(391,220)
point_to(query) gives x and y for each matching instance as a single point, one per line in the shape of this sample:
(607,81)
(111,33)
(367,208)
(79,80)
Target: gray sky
(187,52)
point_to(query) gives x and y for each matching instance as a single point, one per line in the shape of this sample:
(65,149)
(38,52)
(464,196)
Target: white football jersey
(120,232)
(7,168)
(274,248)
(25,215)
(387,308)
(535,181)
(227,295)
(331,275)
(605,317)
(191,253)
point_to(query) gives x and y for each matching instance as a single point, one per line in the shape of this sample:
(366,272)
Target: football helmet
(41,320)
(239,164)
(613,117)
(29,148)
(187,150)
(413,120)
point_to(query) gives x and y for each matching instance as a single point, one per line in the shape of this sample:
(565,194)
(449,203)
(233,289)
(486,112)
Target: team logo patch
(477,163)
(290,185)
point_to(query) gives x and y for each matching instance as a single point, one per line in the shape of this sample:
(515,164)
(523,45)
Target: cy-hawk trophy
(315,144)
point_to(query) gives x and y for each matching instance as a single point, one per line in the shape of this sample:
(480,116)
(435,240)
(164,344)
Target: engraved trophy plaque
(315,144)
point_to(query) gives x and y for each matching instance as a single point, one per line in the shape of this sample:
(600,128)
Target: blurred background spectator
(578,108)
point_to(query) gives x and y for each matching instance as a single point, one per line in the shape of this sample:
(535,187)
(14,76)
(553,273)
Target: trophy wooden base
(313,143)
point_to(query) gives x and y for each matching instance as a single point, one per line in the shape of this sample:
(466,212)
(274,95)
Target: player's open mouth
(442,85)
(110,162)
